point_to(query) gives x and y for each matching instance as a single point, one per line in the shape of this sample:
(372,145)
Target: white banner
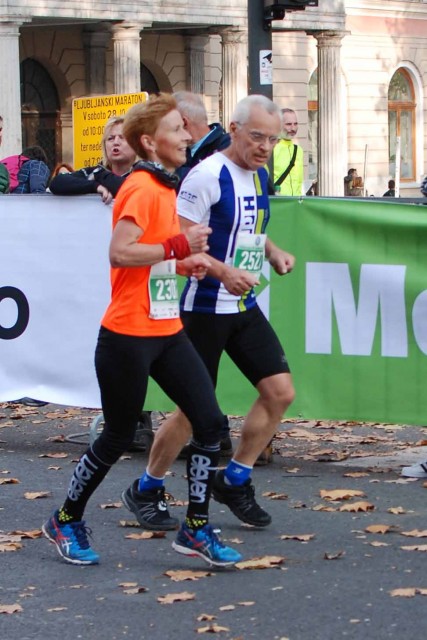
(54,289)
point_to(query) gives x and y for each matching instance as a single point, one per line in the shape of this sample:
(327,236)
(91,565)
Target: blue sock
(236,473)
(148,482)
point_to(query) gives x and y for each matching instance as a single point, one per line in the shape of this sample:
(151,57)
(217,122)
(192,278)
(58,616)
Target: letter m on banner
(381,292)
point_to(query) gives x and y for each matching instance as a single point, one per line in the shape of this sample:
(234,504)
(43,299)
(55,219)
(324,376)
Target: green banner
(352,316)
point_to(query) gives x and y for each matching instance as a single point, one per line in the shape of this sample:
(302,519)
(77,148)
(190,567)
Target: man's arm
(281,261)
(236,281)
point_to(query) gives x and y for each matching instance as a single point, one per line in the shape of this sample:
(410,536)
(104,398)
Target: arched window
(40,110)
(312,125)
(148,81)
(401,124)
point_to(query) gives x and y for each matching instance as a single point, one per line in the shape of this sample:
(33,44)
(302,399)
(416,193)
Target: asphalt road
(330,579)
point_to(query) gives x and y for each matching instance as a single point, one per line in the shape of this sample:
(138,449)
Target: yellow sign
(89,117)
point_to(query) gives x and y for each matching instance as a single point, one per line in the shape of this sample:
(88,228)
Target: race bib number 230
(163,290)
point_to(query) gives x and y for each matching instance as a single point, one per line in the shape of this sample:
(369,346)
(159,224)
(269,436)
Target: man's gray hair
(243,109)
(191,105)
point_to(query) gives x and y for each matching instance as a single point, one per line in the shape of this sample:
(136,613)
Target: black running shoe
(240,500)
(149,508)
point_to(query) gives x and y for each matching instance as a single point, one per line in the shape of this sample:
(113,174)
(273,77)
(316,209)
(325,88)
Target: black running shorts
(247,337)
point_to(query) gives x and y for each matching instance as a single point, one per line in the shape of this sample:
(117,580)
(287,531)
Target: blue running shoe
(71,540)
(204,543)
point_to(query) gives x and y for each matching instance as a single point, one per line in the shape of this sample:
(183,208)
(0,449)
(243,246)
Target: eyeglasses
(260,138)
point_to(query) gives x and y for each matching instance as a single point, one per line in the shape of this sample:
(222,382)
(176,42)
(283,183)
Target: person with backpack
(28,171)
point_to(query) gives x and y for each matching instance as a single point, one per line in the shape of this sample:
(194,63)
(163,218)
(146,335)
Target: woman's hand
(106,196)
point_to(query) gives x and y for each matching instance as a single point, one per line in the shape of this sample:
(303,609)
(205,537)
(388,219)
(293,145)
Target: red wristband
(176,247)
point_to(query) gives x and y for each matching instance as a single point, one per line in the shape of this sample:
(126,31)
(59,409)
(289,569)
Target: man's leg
(276,393)
(170,437)
(145,497)
(256,350)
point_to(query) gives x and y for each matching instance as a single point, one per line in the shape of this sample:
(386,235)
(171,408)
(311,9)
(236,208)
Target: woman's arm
(74,184)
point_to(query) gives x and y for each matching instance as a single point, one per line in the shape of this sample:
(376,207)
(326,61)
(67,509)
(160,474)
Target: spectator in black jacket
(105,178)
(206,138)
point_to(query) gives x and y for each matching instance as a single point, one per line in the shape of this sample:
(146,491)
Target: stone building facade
(354,70)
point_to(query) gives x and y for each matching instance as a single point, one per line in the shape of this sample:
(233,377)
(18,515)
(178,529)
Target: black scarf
(157,170)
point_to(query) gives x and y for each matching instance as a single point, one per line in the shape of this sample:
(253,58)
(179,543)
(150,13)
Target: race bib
(163,289)
(250,252)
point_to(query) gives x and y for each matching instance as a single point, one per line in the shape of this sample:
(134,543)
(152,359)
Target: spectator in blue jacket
(33,176)
(206,138)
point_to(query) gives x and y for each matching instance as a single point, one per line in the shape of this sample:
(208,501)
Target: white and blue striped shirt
(229,199)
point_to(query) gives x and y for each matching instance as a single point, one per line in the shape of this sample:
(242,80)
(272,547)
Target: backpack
(13,164)
(4,179)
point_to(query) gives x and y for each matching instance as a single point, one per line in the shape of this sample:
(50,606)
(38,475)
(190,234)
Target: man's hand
(281,261)
(106,196)
(238,281)
(197,236)
(195,265)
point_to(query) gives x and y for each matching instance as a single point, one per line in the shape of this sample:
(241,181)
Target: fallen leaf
(127,585)
(248,603)
(146,535)
(265,562)
(57,609)
(378,528)
(415,533)
(408,592)
(340,494)
(273,495)
(53,455)
(377,543)
(9,481)
(334,556)
(363,505)
(396,510)
(228,607)
(323,507)
(32,535)
(10,546)
(134,590)
(111,505)
(355,474)
(10,608)
(170,598)
(129,523)
(180,576)
(212,628)
(302,433)
(415,547)
(203,617)
(34,495)
(303,537)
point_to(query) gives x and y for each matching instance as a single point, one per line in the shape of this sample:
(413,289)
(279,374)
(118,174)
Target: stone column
(195,48)
(95,43)
(234,71)
(10,94)
(331,161)
(127,57)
